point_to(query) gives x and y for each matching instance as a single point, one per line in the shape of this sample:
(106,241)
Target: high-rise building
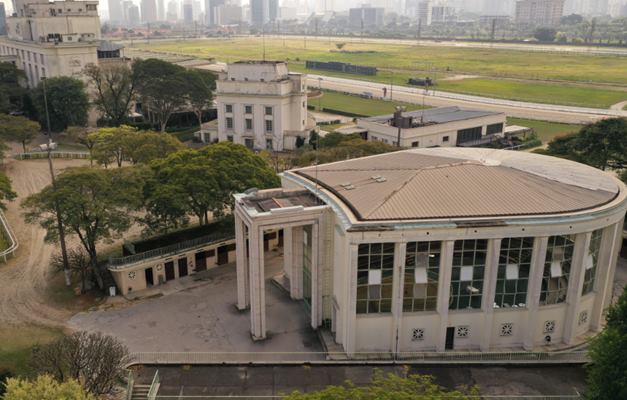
(539,12)
(48,43)
(365,17)
(3,20)
(212,11)
(197,10)
(173,11)
(149,10)
(188,12)
(133,15)
(263,11)
(160,10)
(424,12)
(115,11)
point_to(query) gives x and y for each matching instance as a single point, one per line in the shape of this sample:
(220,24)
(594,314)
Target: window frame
(510,291)
(429,301)
(594,249)
(464,250)
(567,243)
(375,298)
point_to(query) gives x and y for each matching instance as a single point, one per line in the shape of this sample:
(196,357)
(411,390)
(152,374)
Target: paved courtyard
(198,314)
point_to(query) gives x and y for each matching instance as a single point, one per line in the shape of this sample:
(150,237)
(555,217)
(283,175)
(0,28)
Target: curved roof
(462,183)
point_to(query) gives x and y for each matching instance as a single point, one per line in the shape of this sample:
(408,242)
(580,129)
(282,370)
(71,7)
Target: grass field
(16,344)
(545,130)
(358,105)
(411,60)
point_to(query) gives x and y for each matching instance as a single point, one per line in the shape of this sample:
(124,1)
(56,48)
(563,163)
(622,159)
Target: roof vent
(348,186)
(378,178)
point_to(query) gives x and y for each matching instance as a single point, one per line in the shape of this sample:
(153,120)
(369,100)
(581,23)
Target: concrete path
(204,319)
(619,106)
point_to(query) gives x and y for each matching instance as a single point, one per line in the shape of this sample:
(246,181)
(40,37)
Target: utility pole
(493,29)
(148,32)
(419,29)
(57,210)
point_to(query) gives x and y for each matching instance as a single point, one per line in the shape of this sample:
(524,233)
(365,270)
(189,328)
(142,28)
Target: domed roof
(462,183)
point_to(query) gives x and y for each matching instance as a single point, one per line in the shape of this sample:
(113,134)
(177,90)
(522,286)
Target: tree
(95,360)
(114,87)
(67,102)
(340,46)
(161,87)
(206,179)
(388,387)
(545,34)
(572,19)
(94,204)
(12,87)
(6,191)
(111,144)
(608,351)
(79,263)
(199,91)
(81,135)
(44,387)
(18,129)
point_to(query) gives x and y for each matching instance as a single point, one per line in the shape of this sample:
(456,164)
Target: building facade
(261,105)
(439,249)
(442,127)
(3,19)
(52,38)
(366,17)
(539,12)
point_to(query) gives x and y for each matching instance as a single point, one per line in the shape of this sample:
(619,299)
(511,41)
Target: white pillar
(350,310)
(296,282)
(609,293)
(534,287)
(257,284)
(400,249)
(489,288)
(241,262)
(604,280)
(288,258)
(575,284)
(315,276)
(444,290)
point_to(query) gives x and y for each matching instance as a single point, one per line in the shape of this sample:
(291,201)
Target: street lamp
(66,264)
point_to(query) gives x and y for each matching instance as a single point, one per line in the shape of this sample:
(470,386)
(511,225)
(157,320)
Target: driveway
(204,318)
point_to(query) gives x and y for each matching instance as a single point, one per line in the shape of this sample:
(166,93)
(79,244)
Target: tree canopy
(545,34)
(387,387)
(68,103)
(12,87)
(95,204)
(6,191)
(18,129)
(44,387)
(114,90)
(607,374)
(336,147)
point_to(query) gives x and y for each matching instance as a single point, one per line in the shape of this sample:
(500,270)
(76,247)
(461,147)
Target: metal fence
(431,397)
(174,248)
(54,154)
(10,238)
(359,358)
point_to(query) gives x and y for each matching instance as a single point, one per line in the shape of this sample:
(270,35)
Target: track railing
(9,236)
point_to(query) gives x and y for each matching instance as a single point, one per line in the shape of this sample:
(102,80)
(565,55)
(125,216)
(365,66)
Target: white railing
(54,154)
(358,358)
(154,387)
(9,236)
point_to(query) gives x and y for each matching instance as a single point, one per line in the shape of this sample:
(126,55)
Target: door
(169,271)
(223,255)
(450,338)
(201,261)
(182,267)
(149,277)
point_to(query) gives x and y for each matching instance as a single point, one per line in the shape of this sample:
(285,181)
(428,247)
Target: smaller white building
(436,127)
(261,105)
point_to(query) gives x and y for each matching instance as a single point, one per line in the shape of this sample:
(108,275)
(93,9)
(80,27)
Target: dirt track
(25,276)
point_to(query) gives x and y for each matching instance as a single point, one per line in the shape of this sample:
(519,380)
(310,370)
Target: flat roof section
(439,115)
(266,201)
(441,183)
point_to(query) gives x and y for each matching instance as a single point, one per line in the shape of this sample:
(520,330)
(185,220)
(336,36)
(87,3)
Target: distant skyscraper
(188,12)
(3,20)
(197,10)
(161,10)
(539,12)
(149,10)
(115,11)
(212,11)
(366,17)
(173,11)
(133,15)
(259,12)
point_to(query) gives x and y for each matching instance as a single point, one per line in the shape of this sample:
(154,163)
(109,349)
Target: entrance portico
(300,216)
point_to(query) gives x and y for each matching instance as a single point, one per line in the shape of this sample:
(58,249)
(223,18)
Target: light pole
(66,264)
(398,116)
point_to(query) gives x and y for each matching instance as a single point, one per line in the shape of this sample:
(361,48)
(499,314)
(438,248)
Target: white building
(444,127)
(262,105)
(52,38)
(539,12)
(436,249)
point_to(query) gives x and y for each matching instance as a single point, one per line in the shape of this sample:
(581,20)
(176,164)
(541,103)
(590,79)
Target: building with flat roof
(444,126)
(261,105)
(539,12)
(438,249)
(52,39)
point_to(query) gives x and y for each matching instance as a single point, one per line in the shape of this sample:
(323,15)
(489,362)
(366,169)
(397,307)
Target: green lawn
(413,60)
(545,130)
(16,344)
(358,105)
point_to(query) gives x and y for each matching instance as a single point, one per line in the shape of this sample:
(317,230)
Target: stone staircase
(140,392)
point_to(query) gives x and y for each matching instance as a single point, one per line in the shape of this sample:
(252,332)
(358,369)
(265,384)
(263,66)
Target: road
(539,111)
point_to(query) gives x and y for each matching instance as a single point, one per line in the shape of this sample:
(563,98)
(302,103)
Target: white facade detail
(262,106)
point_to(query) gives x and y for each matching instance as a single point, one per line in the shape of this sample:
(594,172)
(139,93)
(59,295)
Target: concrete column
(444,290)
(315,276)
(241,262)
(257,284)
(350,310)
(400,249)
(296,282)
(489,288)
(288,257)
(604,280)
(609,293)
(534,288)
(575,283)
